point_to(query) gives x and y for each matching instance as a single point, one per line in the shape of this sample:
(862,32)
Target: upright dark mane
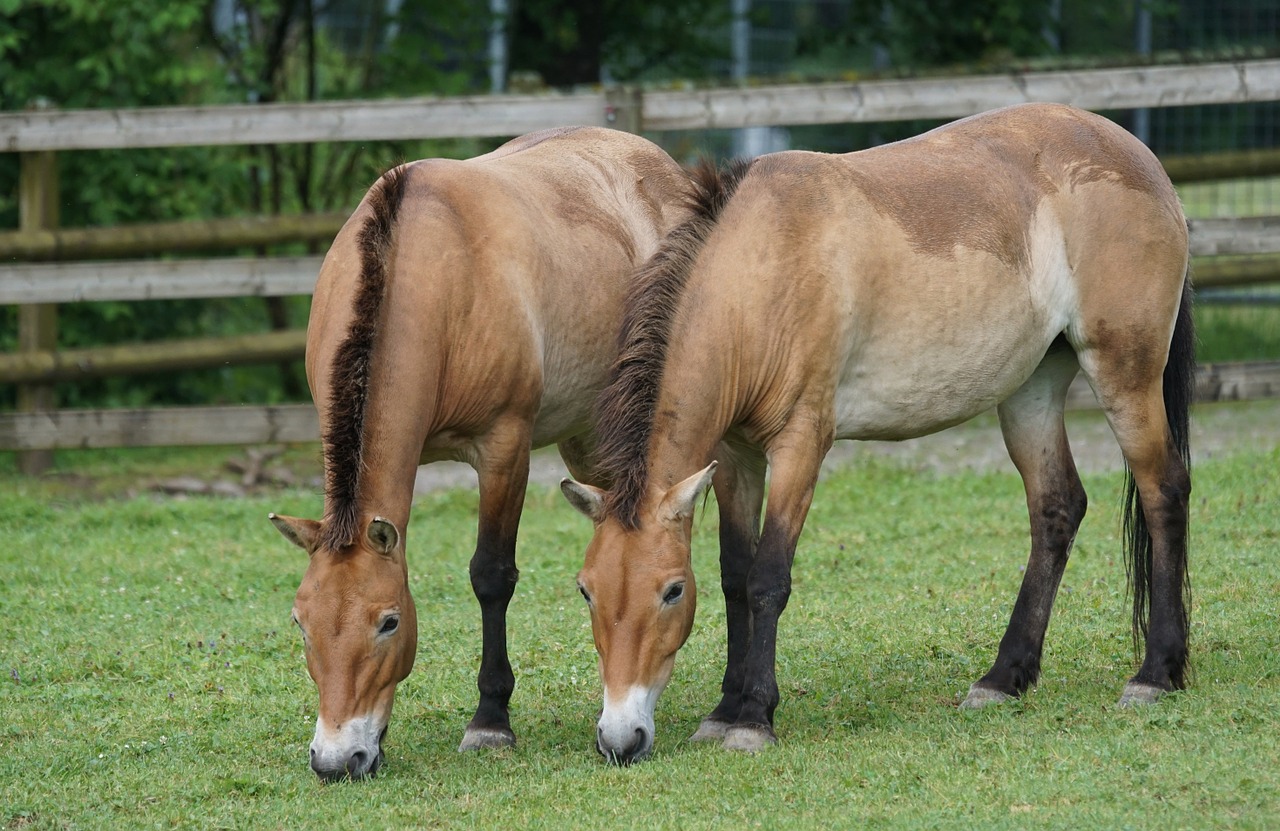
(625,409)
(349,380)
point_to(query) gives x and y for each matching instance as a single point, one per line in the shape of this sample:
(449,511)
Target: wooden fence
(1228,251)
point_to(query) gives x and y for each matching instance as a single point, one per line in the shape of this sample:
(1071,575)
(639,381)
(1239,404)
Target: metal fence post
(624,108)
(37,324)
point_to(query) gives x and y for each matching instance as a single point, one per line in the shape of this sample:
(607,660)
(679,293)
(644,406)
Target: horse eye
(673,594)
(389,625)
(584,594)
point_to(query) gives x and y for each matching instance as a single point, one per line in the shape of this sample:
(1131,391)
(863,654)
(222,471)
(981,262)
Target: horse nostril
(636,746)
(357,764)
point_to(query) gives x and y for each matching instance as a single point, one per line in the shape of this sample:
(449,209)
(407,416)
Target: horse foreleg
(1034,433)
(739,486)
(795,458)
(503,470)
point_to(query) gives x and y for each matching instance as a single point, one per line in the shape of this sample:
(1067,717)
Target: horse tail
(624,410)
(1179,391)
(349,378)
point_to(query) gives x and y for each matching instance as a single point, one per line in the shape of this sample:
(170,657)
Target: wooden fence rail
(143,239)
(24,283)
(158,279)
(73,429)
(1232,82)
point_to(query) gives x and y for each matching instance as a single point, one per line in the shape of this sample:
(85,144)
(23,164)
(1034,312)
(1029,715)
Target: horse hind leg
(1145,392)
(1156,522)
(1035,435)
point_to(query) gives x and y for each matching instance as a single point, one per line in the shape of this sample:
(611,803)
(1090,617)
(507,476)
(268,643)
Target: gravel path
(1216,430)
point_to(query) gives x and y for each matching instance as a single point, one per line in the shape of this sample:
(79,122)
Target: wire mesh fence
(788,39)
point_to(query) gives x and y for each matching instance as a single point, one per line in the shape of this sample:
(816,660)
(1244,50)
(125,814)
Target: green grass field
(1237,333)
(1234,197)
(151,679)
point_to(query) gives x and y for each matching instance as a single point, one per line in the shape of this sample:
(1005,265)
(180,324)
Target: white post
(1142,44)
(498,10)
(749,142)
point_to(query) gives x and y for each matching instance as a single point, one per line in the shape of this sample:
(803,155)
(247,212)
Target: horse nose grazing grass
(356,766)
(623,757)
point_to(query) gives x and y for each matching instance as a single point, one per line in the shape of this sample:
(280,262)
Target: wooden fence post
(37,324)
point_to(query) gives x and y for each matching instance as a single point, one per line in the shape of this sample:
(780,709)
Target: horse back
(909,287)
(505,278)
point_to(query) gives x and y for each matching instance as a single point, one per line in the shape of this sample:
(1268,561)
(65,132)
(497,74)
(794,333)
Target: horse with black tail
(467,311)
(888,294)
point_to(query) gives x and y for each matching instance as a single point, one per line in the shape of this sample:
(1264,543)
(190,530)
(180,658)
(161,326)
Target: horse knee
(1061,516)
(1168,508)
(1176,488)
(492,580)
(768,590)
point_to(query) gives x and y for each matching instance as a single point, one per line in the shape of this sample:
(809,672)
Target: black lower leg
(737,545)
(768,589)
(1166,662)
(1055,519)
(493,578)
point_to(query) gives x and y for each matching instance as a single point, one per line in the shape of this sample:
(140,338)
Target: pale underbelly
(895,400)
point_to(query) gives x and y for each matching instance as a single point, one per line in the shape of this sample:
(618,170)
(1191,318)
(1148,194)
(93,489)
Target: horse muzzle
(625,731)
(354,751)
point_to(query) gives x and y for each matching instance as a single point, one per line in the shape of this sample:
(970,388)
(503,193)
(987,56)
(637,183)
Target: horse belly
(565,411)
(895,401)
(901,384)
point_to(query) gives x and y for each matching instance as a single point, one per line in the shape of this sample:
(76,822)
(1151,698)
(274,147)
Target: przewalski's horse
(468,310)
(888,294)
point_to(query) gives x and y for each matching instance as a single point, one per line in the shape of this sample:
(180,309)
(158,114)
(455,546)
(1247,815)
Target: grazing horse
(467,310)
(888,294)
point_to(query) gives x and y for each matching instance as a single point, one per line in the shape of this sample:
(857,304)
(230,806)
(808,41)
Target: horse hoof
(1137,695)
(980,697)
(711,730)
(749,739)
(477,738)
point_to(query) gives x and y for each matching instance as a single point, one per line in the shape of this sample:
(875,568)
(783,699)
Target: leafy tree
(85,53)
(568,42)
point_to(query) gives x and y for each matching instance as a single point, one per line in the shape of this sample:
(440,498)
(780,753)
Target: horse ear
(382,535)
(678,503)
(588,500)
(301,532)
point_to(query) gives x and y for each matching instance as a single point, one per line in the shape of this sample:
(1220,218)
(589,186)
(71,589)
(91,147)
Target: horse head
(360,634)
(639,585)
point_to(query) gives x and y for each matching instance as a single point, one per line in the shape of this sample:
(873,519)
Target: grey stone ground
(1216,430)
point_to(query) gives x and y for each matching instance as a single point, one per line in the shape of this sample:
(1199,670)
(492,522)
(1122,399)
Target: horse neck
(695,408)
(389,476)
(394,429)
